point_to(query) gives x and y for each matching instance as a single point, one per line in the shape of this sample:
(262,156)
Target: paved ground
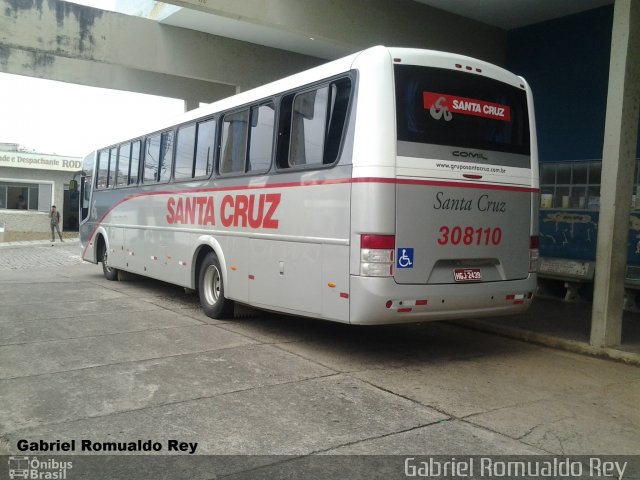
(21,255)
(84,358)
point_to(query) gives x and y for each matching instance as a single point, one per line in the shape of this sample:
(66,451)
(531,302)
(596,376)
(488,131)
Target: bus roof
(341,65)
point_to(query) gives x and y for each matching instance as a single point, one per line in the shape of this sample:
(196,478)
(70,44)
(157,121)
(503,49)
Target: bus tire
(211,289)
(110,273)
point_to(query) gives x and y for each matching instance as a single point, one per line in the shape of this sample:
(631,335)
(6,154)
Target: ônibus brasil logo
(33,468)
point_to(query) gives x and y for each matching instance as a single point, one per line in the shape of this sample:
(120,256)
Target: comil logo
(472,155)
(32,468)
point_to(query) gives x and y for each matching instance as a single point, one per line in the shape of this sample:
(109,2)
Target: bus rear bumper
(383,301)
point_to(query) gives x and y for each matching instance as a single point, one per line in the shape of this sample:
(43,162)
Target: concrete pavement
(85,358)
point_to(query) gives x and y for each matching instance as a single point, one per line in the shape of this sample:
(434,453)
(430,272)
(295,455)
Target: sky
(68,119)
(72,120)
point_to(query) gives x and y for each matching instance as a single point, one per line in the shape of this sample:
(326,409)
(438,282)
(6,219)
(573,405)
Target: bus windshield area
(439,106)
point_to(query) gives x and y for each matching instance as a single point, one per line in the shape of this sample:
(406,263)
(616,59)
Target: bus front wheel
(211,289)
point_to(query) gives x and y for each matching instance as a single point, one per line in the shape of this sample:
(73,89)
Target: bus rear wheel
(110,273)
(211,289)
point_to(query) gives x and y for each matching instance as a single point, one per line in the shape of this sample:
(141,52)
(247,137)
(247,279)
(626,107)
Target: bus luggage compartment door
(451,234)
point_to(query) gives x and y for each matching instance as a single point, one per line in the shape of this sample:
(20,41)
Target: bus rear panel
(464,236)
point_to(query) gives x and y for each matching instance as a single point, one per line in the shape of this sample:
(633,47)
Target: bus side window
(284,131)
(308,125)
(135,163)
(151,158)
(261,137)
(312,125)
(185,147)
(205,148)
(166,156)
(233,148)
(111,178)
(124,157)
(102,168)
(338,109)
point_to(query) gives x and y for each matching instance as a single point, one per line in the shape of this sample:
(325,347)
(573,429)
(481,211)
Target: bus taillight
(376,255)
(534,253)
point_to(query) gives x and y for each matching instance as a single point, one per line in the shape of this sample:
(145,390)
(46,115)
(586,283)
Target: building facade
(30,183)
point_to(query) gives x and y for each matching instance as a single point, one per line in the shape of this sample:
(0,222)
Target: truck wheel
(211,289)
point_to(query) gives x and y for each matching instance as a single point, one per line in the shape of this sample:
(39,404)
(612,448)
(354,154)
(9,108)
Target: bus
(393,185)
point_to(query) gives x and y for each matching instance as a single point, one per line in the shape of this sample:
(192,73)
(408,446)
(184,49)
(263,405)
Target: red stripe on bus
(308,183)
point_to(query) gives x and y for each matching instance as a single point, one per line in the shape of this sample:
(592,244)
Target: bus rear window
(443,107)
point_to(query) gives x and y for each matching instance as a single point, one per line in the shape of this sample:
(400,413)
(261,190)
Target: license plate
(467,275)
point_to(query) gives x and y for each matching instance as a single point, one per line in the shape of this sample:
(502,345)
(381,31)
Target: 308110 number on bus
(469,236)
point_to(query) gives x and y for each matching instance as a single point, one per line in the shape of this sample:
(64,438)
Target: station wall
(566,62)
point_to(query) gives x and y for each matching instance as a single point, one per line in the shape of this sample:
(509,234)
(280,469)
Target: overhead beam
(79,44)
(117,77)
(357,24)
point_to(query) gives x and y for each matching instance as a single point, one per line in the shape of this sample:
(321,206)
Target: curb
(26,243)
(574,346)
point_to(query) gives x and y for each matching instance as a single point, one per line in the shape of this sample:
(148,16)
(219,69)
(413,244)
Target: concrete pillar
(191,104)
(618,159)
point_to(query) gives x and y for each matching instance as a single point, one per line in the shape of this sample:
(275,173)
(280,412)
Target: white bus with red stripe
(393,185)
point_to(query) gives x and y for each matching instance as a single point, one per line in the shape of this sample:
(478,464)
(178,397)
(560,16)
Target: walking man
(54,215)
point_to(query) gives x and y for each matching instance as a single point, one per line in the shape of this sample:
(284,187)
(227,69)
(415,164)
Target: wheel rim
(212,284)
(105,265)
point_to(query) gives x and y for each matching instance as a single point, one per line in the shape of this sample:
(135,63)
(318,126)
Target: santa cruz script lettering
(253,211)
(482,204)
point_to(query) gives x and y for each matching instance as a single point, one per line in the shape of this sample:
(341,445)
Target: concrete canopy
(73,43)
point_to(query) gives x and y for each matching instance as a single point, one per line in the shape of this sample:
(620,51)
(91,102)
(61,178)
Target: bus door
(83,187)
(464,188)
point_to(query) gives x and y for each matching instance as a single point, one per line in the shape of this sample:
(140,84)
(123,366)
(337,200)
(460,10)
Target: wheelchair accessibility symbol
(405,258)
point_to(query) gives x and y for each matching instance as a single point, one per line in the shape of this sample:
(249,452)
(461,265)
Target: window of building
(17,197)
(575,185)
(33,198)
(25,196)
